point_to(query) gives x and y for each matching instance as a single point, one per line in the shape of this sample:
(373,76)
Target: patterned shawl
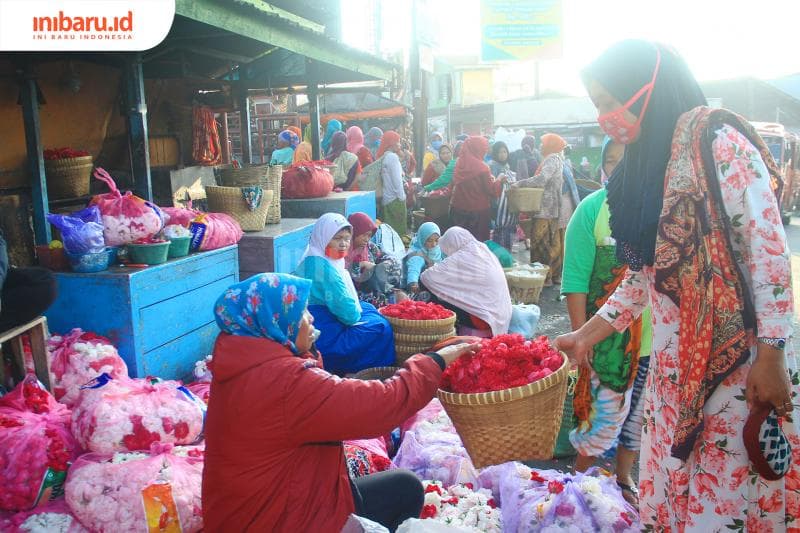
(695,267)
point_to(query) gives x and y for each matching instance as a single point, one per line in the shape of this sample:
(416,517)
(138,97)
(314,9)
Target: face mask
(436,145)
(614,122)
(335,253)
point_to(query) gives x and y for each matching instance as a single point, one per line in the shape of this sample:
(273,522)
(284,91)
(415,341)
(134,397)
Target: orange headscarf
(390,138)
(296,131)
(552,144)
(302,152)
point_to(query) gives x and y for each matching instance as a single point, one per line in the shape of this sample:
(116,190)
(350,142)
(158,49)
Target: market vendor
(376,274)
(471,282)
(354,335)
(284,154)
(274,459)
(26,292)
(424,252)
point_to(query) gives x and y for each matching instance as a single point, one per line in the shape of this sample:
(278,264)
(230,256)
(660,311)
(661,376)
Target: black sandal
(630,493)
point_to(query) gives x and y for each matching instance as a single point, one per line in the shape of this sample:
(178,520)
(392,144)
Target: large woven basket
(436,206)
(379,372)
(265,176)
(422,327)
(68,178)
(274,176)
(422,338)
(518,424)
(230,200)
(525,289)
(525,199)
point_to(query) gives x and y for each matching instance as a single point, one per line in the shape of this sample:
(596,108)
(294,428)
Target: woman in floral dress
(695,217)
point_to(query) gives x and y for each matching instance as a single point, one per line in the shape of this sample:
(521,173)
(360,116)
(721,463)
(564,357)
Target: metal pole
(313,111)
(138,144)
(33,144)
(226,143)
(244,128)
(417,81)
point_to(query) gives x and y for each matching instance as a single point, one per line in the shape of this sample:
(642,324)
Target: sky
(719,39)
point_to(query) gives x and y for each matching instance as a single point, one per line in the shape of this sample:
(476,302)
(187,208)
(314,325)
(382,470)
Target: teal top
(444,180)
(282,156)
(328,288)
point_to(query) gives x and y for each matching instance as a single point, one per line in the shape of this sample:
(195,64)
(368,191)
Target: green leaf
(740,397)
(777,291)
(738,521)
(722,443)
(736,221)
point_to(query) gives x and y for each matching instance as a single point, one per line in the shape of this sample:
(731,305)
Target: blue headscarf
(290,137)
(372,139)
(418,242)
(265,305)
(332,127)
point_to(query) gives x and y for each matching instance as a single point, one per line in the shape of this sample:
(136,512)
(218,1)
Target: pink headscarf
(362,223)
(355,139)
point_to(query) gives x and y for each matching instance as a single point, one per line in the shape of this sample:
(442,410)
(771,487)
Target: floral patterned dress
(716,489)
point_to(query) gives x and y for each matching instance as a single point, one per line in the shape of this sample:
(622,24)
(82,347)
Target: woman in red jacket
(473,188)
(276,420)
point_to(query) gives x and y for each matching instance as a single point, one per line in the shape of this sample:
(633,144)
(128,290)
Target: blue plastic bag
(524,319)
(81,231)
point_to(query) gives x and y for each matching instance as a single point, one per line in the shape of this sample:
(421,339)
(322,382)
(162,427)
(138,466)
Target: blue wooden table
(345,203)
(276,248)
(160,318)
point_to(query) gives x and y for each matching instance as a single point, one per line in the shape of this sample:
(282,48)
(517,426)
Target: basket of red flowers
(417,326)
(68,173)
(506,401)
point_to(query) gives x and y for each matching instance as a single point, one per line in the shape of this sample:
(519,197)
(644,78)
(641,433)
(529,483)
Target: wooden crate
(160,318)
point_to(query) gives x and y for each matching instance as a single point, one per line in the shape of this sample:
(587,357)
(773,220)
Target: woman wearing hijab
(393,201)
(526,160)
(432,151)
(376,275)
(372,140)
(546,239)
(505,222)
(446,178)
(354,335)
(470,281)
(284,154)
(424,252)
(347,166)
(473,188)
(355,145)
(610,156)
(296,131)
(694,214)
(332,127)
(302,153)
(274,429)
(437,166)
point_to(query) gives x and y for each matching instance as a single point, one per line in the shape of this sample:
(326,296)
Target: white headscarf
(324,230)
(471,278)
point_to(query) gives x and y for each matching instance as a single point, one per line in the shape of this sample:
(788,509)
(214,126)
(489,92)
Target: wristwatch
(778,343)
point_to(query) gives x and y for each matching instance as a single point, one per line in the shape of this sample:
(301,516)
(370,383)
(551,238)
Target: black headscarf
(636,187)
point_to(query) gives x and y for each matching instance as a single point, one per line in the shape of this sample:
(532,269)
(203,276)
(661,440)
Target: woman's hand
(575,346)
(768,381)
(453,352)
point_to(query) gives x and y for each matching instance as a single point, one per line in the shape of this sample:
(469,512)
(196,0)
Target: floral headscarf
(267,305)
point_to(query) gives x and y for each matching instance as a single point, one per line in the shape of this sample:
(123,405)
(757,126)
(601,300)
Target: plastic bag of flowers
(201,387)
(433,450)
(366,456)
(159,490)
(36,446)
(77,358)
(126,217)
(52,517)
(114,415)
(459,506)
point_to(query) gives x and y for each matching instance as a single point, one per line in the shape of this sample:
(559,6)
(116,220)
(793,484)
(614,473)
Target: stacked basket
(517,424)
(69,177)
(417,336)
(268,177)
(525,282)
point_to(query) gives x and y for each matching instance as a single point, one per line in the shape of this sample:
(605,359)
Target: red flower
(433,488)
(555,487)
(411,310)
(535,476)
(470,486)
(428,511)
(491,503)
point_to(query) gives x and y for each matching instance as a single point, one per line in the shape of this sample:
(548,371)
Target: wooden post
(138,144)
(33,144)
(225,141)
(313,111)
(244,127)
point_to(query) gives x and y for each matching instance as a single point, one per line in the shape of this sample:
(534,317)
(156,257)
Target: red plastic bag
(159,490)
(306,179)
(182,216)
(126,217)
(36,446)
(115,415)
(54,516)
(77,358)
(214,230)
(201,389)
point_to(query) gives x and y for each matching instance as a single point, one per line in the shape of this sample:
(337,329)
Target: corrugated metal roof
(545,112)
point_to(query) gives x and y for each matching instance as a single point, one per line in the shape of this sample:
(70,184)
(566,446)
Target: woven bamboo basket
(517,424)
(404,351)
(274,177)
(68,178)
(229,200)
(436,206)
(243,177)
(525,289)
(525,199)
(422,327)
(379,372)
(414,338)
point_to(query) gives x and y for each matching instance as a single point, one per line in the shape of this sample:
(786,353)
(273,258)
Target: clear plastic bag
(524,320)
(159,490)
(77,358)
(36,446)
(214,230)
(52,517)
(126,414)
(81,232)
(126,217)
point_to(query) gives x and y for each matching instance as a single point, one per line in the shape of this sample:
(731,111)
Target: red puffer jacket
(274,457)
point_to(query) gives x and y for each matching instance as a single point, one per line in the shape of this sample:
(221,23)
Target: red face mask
(614,122)
(335,253)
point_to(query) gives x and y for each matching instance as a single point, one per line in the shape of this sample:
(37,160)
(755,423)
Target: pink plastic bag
(54,516)
(77,358)
(35,446)
(126,217)
(113,415)
(181,215)
(214,230)
(158,490)
(201,389)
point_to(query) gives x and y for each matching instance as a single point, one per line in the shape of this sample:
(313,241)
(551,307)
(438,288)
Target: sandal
(630,493)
